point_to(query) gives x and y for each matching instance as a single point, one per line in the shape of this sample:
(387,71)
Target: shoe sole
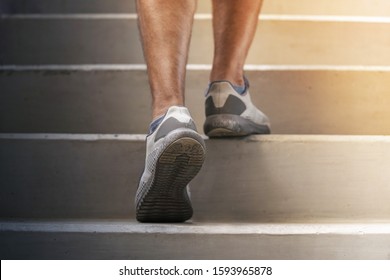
(226,125)
(166,199)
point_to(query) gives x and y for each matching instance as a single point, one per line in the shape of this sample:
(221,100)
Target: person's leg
(229,109)
(234,24)
(165,28)
(174,149)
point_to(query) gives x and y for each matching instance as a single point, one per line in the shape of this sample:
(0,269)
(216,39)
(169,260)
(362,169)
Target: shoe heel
(184,151)
(167,199)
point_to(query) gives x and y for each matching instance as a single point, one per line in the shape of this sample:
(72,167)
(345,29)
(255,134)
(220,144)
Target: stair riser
(42,245)
(102,41)
(66,6)
(297,102)
(319,7)
(249,180)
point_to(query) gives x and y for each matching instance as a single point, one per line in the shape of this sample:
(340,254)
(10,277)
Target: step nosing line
(339,68)
(192,229)
(274,138)
(74,67)
(73,16)
(325,18)
(201,16)
(72,137)
(191,67)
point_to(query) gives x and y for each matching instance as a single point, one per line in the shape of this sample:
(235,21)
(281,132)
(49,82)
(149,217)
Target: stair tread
(269,178)
(130,240)
(133,227)
(53,41)
(346,7)
(276,138)
(296,101)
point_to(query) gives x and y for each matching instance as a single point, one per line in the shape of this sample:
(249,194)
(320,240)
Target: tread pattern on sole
(166,198)
(227,125)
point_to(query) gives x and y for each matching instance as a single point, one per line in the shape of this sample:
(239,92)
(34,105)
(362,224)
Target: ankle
(235,79)
(240,84)
(160,108)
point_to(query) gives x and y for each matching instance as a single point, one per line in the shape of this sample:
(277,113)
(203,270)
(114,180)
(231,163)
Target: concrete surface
(300,7)
(255,179)
(129,240)
(88,41)
(109,101)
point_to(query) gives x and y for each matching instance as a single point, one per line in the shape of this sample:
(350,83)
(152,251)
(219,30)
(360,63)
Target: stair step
(118,101)
(319,7)
(131,240)
(66,6)
(324,7)
(270,178)
(116,40)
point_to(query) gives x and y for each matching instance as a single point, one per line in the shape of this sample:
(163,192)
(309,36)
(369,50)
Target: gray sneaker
(229,113)
(175,153)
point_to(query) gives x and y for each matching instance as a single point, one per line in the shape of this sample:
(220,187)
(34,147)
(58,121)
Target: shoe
(175,152)
(229,113)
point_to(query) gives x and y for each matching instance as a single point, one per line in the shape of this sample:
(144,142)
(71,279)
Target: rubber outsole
(166,199)
(226,125)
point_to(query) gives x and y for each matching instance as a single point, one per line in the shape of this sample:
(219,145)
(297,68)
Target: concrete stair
(115,40)
(282,197)
(130,240)
(375,8)
(72,81)
(277,178)
(106,101)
